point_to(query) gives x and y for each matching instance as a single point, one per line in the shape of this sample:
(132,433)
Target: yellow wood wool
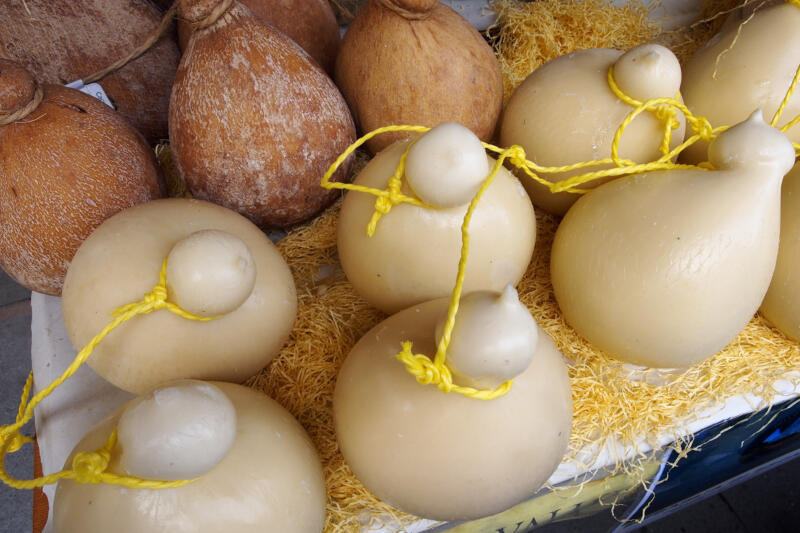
(529,34)
(176,187)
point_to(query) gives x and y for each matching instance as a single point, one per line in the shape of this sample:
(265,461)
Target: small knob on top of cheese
(648,71)
(447,165)
(493,339)
(210,273)
(178,431)
(752,143)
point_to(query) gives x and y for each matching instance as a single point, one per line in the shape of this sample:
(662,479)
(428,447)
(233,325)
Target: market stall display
(435,353)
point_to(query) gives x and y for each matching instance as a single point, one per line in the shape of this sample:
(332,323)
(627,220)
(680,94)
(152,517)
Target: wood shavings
(176,187)
(528,34)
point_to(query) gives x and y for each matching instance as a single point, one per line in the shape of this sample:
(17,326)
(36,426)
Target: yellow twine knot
(157,299)
(703,128)
(516,155)
(668,114)
(423,369)
(12,440)
(392,196)
(383,204)
(153,301)
(429,372)
(90,466)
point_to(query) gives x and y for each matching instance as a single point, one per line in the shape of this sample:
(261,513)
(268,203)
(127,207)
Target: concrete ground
(769,503)
(15,364)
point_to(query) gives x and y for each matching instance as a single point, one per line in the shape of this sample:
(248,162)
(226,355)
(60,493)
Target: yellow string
(796,120)
(387,198)
(786,98)
(435,371)
(664,110)
(88,467)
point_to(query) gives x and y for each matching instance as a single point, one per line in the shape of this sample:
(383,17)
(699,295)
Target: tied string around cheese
(89,467)
(18,114)
(664,111)
(426,371)
(387,198)
(435,370)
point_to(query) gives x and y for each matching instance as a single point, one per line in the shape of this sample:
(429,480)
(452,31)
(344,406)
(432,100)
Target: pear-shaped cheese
(268,478)
(417,62)
(782,303)
(664,269)
(413,254)
(565,113)
(747,66)
(447,456)
(64,168)
(121,261)
(254,122)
